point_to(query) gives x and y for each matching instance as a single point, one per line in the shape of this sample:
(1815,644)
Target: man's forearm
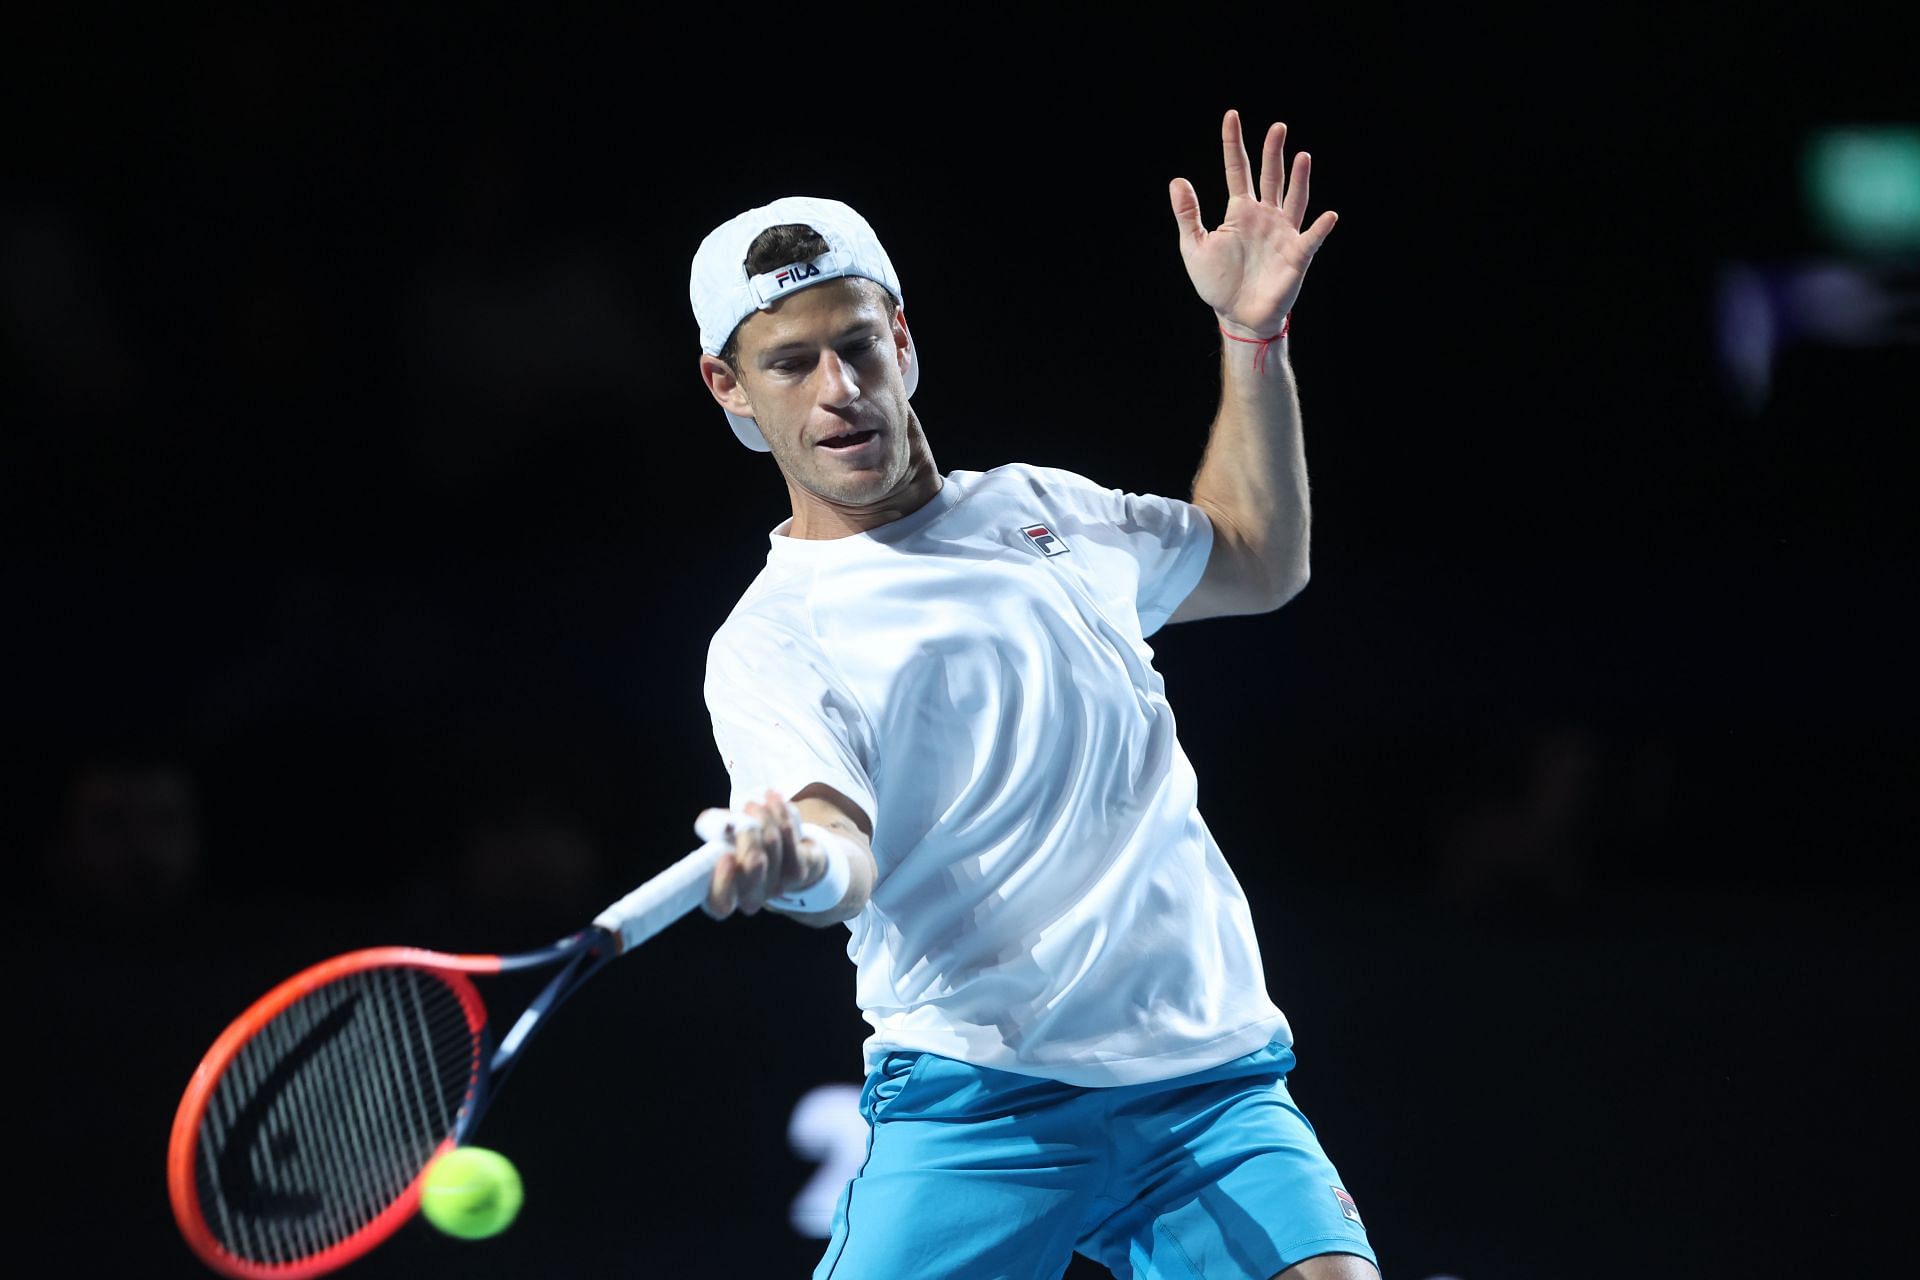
(1252,480)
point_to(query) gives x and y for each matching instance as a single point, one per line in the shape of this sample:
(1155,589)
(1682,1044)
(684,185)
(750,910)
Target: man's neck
(816,518)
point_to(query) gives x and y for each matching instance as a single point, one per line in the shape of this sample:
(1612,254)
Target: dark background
(365,523)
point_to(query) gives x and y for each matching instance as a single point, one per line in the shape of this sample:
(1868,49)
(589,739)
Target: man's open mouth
(851,440)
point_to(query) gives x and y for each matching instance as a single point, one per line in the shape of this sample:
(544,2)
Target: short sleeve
(781,716)
(1167,540)
(1171,539)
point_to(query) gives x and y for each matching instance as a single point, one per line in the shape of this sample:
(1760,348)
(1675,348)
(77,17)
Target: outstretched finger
(1186,212)
(1316,235)
(1273,164)
(1295,205)
(1234,151)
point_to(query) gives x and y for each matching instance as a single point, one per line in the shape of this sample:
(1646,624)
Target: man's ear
(724,385)
(901,340)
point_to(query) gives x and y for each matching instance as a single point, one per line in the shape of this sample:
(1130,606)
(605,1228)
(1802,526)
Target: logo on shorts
(1049,542)
(1348,1209)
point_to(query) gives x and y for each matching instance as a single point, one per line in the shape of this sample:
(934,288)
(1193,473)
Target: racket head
(302,1138)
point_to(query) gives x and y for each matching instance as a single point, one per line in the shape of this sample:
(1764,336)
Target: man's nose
(838,383)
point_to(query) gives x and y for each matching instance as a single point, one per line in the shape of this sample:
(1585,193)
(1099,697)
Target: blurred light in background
(1861,187)
(1862,184)
(1761,308)
(827,1130)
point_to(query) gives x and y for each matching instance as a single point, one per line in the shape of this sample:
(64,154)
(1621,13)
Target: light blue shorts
(977,1174)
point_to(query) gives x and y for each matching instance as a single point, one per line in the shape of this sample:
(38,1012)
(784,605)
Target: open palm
(1249,269)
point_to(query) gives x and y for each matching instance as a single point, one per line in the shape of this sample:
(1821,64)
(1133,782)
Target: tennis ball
(471,1192)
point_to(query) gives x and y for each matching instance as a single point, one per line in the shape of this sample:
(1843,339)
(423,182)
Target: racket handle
(677,890)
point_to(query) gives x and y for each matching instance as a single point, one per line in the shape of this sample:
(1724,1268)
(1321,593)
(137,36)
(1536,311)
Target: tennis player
(938,702)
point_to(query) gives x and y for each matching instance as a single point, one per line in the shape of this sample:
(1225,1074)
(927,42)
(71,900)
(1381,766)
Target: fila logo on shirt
(795,274)
(1049,542)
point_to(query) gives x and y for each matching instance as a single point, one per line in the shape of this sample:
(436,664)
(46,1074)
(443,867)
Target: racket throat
(589,953)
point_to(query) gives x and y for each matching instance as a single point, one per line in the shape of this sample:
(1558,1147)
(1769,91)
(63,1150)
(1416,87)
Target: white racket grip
(677,890)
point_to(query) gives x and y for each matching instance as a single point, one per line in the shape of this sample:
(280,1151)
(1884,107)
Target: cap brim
(748,430)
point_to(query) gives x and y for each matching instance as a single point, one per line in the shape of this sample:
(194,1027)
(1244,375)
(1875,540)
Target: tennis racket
(302,1139)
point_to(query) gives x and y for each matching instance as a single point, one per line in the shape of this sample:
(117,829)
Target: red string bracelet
(1260,356)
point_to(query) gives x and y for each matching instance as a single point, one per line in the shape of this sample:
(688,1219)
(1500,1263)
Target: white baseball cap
(723,294)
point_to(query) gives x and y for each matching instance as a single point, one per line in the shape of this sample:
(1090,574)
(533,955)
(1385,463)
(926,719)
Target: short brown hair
(776,247)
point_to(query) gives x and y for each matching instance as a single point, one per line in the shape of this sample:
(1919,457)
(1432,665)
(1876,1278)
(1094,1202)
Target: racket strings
(327,1115)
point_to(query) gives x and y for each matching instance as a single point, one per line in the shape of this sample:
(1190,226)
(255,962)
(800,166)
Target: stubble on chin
(859,488)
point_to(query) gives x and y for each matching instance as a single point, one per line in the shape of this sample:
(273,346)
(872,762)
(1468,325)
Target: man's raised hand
(1249,269)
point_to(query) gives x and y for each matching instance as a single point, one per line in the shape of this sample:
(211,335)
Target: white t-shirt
(976,677)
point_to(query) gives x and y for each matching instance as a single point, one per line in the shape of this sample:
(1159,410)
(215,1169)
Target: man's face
(821,371)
